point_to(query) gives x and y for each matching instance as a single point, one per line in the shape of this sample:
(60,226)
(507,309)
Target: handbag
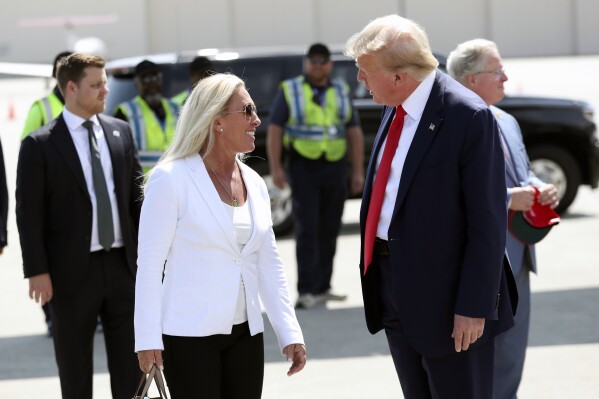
(146,381)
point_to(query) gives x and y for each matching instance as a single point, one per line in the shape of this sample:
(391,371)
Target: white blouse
(242,222)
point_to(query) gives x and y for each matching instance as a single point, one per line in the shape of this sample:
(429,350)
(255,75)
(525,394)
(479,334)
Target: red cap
(533,225)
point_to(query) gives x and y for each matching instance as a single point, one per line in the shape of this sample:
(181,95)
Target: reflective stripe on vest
(312,129)
(52,107)
(148,159)
(47,110)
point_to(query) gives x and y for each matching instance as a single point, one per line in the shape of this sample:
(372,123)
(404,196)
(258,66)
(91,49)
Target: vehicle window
(347,71)
(261,77)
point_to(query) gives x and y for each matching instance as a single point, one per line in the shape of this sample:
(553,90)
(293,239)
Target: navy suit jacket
(447,233)
(3,202)
(54,209)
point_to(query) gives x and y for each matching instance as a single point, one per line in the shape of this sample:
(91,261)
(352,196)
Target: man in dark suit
(433,218)
(78,203)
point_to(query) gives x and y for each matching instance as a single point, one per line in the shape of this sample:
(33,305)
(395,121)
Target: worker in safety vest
(199,68)
(153,118)
(313,122)
(47,108)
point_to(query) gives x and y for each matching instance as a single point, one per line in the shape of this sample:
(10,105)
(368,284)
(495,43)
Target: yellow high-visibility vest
(314,130)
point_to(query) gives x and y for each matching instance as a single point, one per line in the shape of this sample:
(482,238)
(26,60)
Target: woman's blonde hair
(208,100)
(398,43)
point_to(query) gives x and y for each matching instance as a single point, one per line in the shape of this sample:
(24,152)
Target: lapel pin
(116,133)
(431,127)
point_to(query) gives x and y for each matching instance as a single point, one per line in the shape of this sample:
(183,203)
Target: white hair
(399,43)
(468,58)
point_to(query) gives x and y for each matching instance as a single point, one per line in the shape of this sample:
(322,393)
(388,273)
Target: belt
(103,252)
(381,247)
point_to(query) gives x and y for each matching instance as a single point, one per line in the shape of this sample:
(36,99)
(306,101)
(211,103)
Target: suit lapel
(510,165)
(204,186)
(429,124)
(253,197)
(389,112)
(61,138)
(115,146)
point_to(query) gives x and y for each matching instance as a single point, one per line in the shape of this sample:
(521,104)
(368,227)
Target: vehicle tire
(554,165)
(280,206)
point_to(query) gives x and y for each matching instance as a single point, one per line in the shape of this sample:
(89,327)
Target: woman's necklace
(231,194)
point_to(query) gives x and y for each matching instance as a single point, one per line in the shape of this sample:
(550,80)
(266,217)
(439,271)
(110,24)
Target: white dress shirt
(414,107)
(81,140)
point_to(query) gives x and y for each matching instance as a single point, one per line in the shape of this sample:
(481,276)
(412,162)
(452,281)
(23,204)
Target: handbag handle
(146,381)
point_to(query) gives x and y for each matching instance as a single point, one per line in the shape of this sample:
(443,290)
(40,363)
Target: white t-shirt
(242,223)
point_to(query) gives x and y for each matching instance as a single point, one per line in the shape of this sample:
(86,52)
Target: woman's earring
(221,129)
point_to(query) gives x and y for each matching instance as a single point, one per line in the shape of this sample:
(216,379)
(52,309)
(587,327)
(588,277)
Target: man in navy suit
(477,65)
(78,204)
(433,266)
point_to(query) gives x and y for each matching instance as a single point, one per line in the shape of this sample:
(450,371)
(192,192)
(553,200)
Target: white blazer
(183,222)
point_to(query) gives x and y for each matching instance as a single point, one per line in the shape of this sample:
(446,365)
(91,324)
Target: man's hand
(522,198)
(278,177)
(147,359)
(357,183)
(548,196)
(295,353)
(466,330)
(40,288)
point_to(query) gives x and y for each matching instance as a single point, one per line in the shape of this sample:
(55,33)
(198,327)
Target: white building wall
(448,23)
(534,27)
(520,27)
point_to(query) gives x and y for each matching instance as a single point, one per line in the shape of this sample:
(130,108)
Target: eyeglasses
(318,60)
(249,110)
(499,73)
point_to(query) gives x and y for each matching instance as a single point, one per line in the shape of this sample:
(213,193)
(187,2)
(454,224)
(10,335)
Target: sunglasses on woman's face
(249,110)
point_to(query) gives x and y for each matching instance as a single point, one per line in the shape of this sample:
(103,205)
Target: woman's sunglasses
(249,110)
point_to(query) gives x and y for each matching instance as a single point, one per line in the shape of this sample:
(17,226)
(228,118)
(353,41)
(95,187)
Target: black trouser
(319,192)
(215,367)
(109,291)
(465,375)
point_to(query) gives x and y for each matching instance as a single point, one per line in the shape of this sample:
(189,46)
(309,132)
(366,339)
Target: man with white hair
(478,66)
(433,218)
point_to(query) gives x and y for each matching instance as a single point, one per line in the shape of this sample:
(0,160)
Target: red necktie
(380,184)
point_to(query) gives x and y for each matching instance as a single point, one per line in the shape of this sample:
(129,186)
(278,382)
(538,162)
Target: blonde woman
(206,223)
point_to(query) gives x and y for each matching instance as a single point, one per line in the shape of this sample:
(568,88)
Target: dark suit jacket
(54,210)
(3,201)
(447,233)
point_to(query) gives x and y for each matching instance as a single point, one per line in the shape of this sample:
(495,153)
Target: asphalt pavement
(344,360)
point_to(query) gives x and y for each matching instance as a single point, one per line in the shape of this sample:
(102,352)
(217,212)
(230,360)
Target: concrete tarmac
(344,360)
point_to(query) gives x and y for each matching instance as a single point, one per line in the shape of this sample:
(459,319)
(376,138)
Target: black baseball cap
(200,64)
(318,49)
(146,66)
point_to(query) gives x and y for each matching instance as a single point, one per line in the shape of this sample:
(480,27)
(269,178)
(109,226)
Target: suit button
(86,238)
(238,261)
